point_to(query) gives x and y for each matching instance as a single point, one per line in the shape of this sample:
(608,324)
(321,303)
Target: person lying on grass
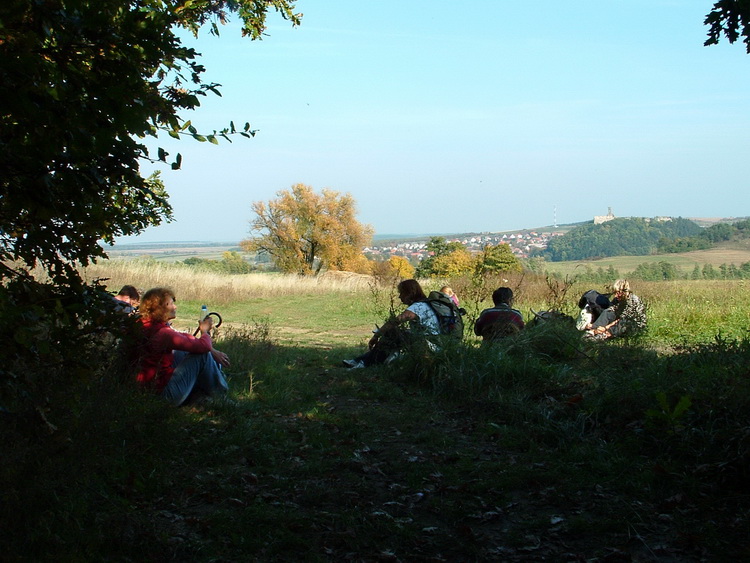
(388,340)
(181,367)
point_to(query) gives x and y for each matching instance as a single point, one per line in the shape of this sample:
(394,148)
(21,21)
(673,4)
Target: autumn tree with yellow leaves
(497,259)
(305,232)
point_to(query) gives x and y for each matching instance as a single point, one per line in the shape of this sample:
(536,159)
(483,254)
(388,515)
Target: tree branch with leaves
(83,83)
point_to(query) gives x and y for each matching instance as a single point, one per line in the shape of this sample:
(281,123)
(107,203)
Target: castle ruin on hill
(599,219)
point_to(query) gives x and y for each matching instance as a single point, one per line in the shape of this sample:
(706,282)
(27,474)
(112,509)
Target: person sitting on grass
(180,367)
(448,290)
(626,316)
(392,337)
(501,320)
(127,300)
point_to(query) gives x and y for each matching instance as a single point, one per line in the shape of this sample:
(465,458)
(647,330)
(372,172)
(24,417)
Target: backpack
(450,317)
(542,317)
(596,303)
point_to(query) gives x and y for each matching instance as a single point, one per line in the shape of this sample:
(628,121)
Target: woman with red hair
(175,364)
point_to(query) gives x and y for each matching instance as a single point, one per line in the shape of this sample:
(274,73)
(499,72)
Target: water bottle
(204,312)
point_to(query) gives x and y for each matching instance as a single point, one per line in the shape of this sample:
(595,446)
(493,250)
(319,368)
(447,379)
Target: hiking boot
(353,364)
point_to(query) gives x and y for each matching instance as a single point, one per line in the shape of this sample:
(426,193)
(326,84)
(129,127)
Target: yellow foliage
(456,263)
(352,261)
(305,232)
(401,267)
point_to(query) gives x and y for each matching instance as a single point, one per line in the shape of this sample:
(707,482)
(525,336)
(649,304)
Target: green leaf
(177,162)
(682,406)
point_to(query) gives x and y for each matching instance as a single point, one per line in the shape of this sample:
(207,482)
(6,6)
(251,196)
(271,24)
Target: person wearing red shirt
(177,364)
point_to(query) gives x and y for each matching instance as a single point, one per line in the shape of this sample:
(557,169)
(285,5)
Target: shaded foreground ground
(354,465)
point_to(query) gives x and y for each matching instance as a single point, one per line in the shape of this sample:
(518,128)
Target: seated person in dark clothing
(591,303)
(627,315)
(388,340)
(127,300)
(501,320)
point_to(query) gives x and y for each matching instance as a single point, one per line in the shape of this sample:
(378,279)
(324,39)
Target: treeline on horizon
(639,237)
(618,237)
(663,271)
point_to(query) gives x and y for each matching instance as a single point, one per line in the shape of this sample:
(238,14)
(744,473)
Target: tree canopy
(305,232)
(496,259)
(453,259)
(437,262)
(83,83)
(730,18)
(618,237)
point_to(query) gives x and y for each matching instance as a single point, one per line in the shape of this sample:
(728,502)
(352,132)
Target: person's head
(621,286)
(448,290)
(502,295)
(158,304)
(129,294)
(409,291)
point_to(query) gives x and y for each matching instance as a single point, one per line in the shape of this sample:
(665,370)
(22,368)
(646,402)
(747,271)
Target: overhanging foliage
(83,82)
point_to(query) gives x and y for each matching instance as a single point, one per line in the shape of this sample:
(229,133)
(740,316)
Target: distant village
(521,244)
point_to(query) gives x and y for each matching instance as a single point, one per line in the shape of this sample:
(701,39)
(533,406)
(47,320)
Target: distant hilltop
(153,247)
(708,221)
(702,221)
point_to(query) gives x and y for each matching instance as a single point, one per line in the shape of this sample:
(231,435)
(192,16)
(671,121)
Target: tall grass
(680,312)
(308,461)
(193,284)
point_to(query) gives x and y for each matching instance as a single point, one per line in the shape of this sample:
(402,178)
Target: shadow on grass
(534,448)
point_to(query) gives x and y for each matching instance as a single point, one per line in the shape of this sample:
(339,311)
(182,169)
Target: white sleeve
(584,318)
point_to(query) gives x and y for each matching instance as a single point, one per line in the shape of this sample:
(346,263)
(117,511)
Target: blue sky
(441,117)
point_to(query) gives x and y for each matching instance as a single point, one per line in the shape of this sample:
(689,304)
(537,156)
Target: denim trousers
(194,372)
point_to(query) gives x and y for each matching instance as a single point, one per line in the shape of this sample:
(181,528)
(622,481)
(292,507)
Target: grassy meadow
(543,447)
(343,307)
(734,252)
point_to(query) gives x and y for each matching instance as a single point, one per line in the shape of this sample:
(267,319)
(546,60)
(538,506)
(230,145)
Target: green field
(736,253)
(171,252)
(543,447)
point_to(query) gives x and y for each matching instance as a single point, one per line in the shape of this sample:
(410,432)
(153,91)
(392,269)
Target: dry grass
(345,305)
(191,284)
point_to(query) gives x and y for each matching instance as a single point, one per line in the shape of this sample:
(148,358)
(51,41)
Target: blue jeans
(194,372)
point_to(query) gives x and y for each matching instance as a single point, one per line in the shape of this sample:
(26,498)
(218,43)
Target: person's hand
(221,358)
(373,341)
(206,325)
